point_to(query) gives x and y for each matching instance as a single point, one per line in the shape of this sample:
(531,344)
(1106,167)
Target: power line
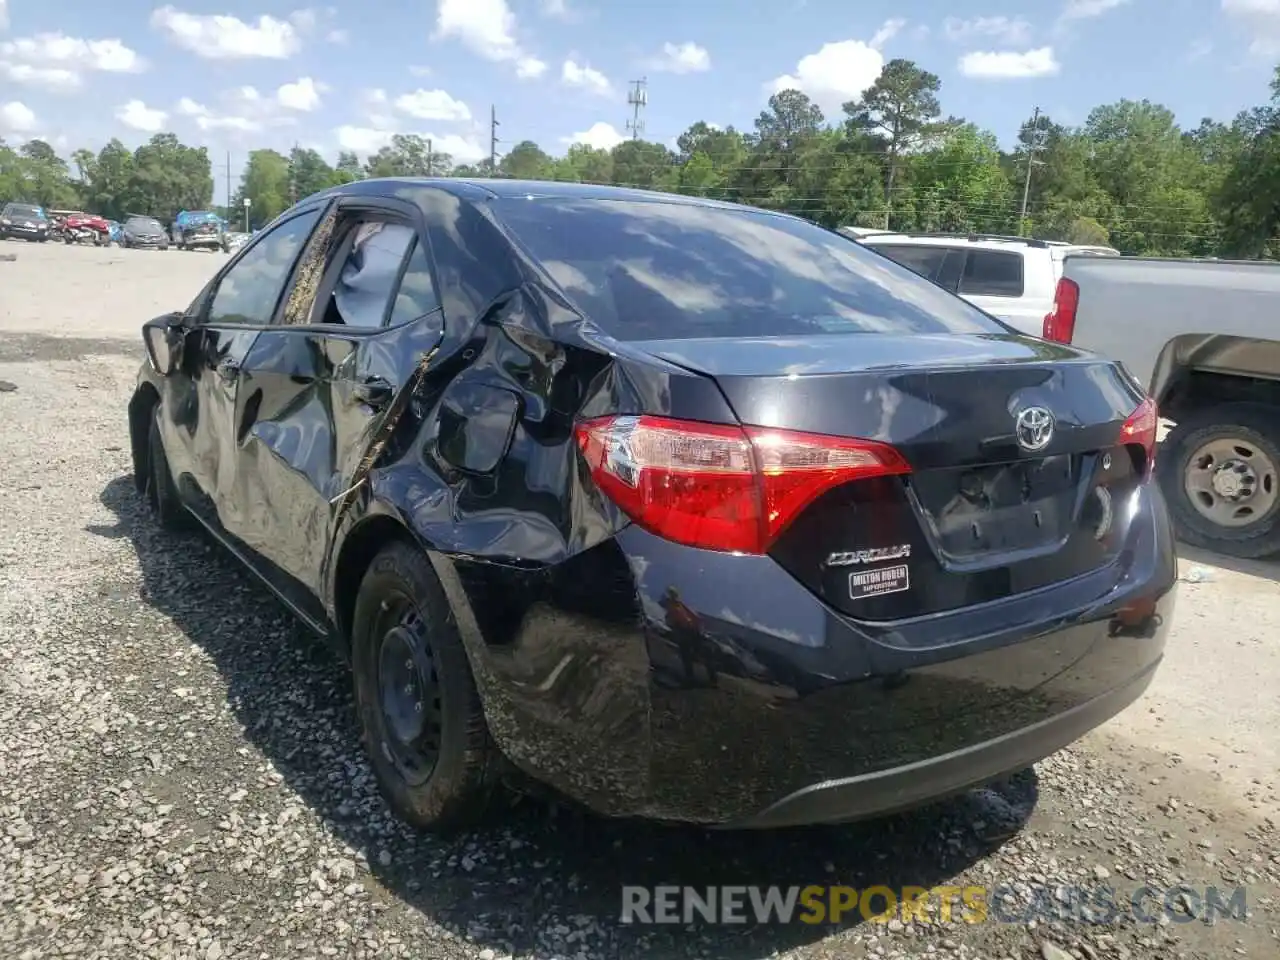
(638,99)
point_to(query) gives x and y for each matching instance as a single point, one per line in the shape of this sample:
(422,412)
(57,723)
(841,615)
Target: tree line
(1129,176)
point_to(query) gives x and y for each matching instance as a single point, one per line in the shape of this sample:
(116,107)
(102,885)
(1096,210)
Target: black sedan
(686,510)
(24,221)
(144,233)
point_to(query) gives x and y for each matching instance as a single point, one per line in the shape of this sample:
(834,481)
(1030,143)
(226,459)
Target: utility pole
(228,185)
(1032,147)
(293,178)
(493,141)
(637,99)
(430,167)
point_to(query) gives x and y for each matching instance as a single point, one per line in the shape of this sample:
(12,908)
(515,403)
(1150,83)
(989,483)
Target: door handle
(374,392)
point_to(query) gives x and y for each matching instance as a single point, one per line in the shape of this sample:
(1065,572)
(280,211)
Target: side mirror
(164,338)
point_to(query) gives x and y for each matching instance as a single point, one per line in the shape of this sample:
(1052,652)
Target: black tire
(162,493)
(405,648)
(1258,428)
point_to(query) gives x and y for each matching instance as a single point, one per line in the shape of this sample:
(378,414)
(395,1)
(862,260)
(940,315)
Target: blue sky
(236,74)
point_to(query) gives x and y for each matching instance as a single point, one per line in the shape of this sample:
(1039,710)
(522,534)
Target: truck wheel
(1219,470)
(424,727)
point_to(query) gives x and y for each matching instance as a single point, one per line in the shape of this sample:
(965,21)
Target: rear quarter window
(650,270)
(992,273)
(924,260)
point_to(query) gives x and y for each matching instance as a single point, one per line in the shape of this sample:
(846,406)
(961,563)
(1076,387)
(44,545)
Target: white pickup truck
(1203,336)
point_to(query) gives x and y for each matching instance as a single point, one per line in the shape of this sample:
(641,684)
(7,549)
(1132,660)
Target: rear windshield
(23,210)
(142,223)
(654,270)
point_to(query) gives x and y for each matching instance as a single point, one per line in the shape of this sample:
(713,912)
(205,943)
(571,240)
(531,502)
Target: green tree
(310,174)
(265,184)
(526,161)
(901,108)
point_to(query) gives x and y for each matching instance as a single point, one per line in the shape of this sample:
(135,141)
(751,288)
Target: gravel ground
(180,773)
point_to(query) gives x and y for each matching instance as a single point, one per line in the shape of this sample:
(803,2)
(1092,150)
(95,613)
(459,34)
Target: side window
(367,278)
(249,291)
(924,260)
(992,273)
(417,294)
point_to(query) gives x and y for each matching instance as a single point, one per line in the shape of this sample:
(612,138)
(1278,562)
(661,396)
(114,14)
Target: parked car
(196,230)
(234,241)
(685,509)
(1201,336)
(76,226)
(24,221)
(1012,278)
(145,233)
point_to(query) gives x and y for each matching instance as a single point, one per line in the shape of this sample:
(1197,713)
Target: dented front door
(315,398)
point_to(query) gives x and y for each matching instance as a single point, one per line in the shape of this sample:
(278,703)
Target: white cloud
(461,149)
(836,74)
(1261,18)
(682,58)
(362,140)
(56,61)
(224,37)
(433,105)
(246,110)
(1086,9)
(16,117)
(1199,50)
(888,30)
(530,68)
(585,77)
(51,78)
(139,116)
(556,9)
(302,95)
(337,36)
(488,29)
(1009,65)
(1011,30)
(304,20)
(600,136)
(419,71)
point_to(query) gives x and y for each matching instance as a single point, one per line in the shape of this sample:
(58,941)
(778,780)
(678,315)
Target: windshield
(142,223)
(23,210)
(657,270)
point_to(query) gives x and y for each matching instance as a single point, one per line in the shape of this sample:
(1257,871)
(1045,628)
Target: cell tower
(637,99)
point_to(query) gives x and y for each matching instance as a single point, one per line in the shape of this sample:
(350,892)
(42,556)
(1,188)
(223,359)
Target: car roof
(480,188)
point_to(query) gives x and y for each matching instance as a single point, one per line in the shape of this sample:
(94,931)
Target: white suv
(1011,278)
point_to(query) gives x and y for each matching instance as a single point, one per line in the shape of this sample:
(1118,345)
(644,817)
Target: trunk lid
(1014,446)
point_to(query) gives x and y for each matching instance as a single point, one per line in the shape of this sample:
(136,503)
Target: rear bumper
(643,678)
(903,788)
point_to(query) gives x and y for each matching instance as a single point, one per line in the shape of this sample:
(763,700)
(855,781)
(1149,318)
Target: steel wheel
(1231,482)
(408,691)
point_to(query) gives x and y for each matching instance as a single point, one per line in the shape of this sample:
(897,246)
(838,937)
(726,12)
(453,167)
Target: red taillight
(1060,322)
(1141,429)
(721,487)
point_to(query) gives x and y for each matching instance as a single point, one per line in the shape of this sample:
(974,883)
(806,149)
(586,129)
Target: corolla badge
(851,558)
(1034,429)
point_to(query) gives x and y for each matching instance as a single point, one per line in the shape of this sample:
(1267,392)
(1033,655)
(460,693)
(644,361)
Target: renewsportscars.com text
(1011,903)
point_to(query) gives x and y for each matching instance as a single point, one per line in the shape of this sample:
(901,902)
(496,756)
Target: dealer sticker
(877,581)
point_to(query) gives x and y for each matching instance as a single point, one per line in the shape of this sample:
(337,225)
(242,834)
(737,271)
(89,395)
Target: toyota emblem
(1034,429)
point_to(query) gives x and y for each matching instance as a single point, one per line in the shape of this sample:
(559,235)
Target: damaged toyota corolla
(683,509)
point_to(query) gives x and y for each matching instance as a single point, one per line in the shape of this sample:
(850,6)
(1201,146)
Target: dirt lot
(180,774)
